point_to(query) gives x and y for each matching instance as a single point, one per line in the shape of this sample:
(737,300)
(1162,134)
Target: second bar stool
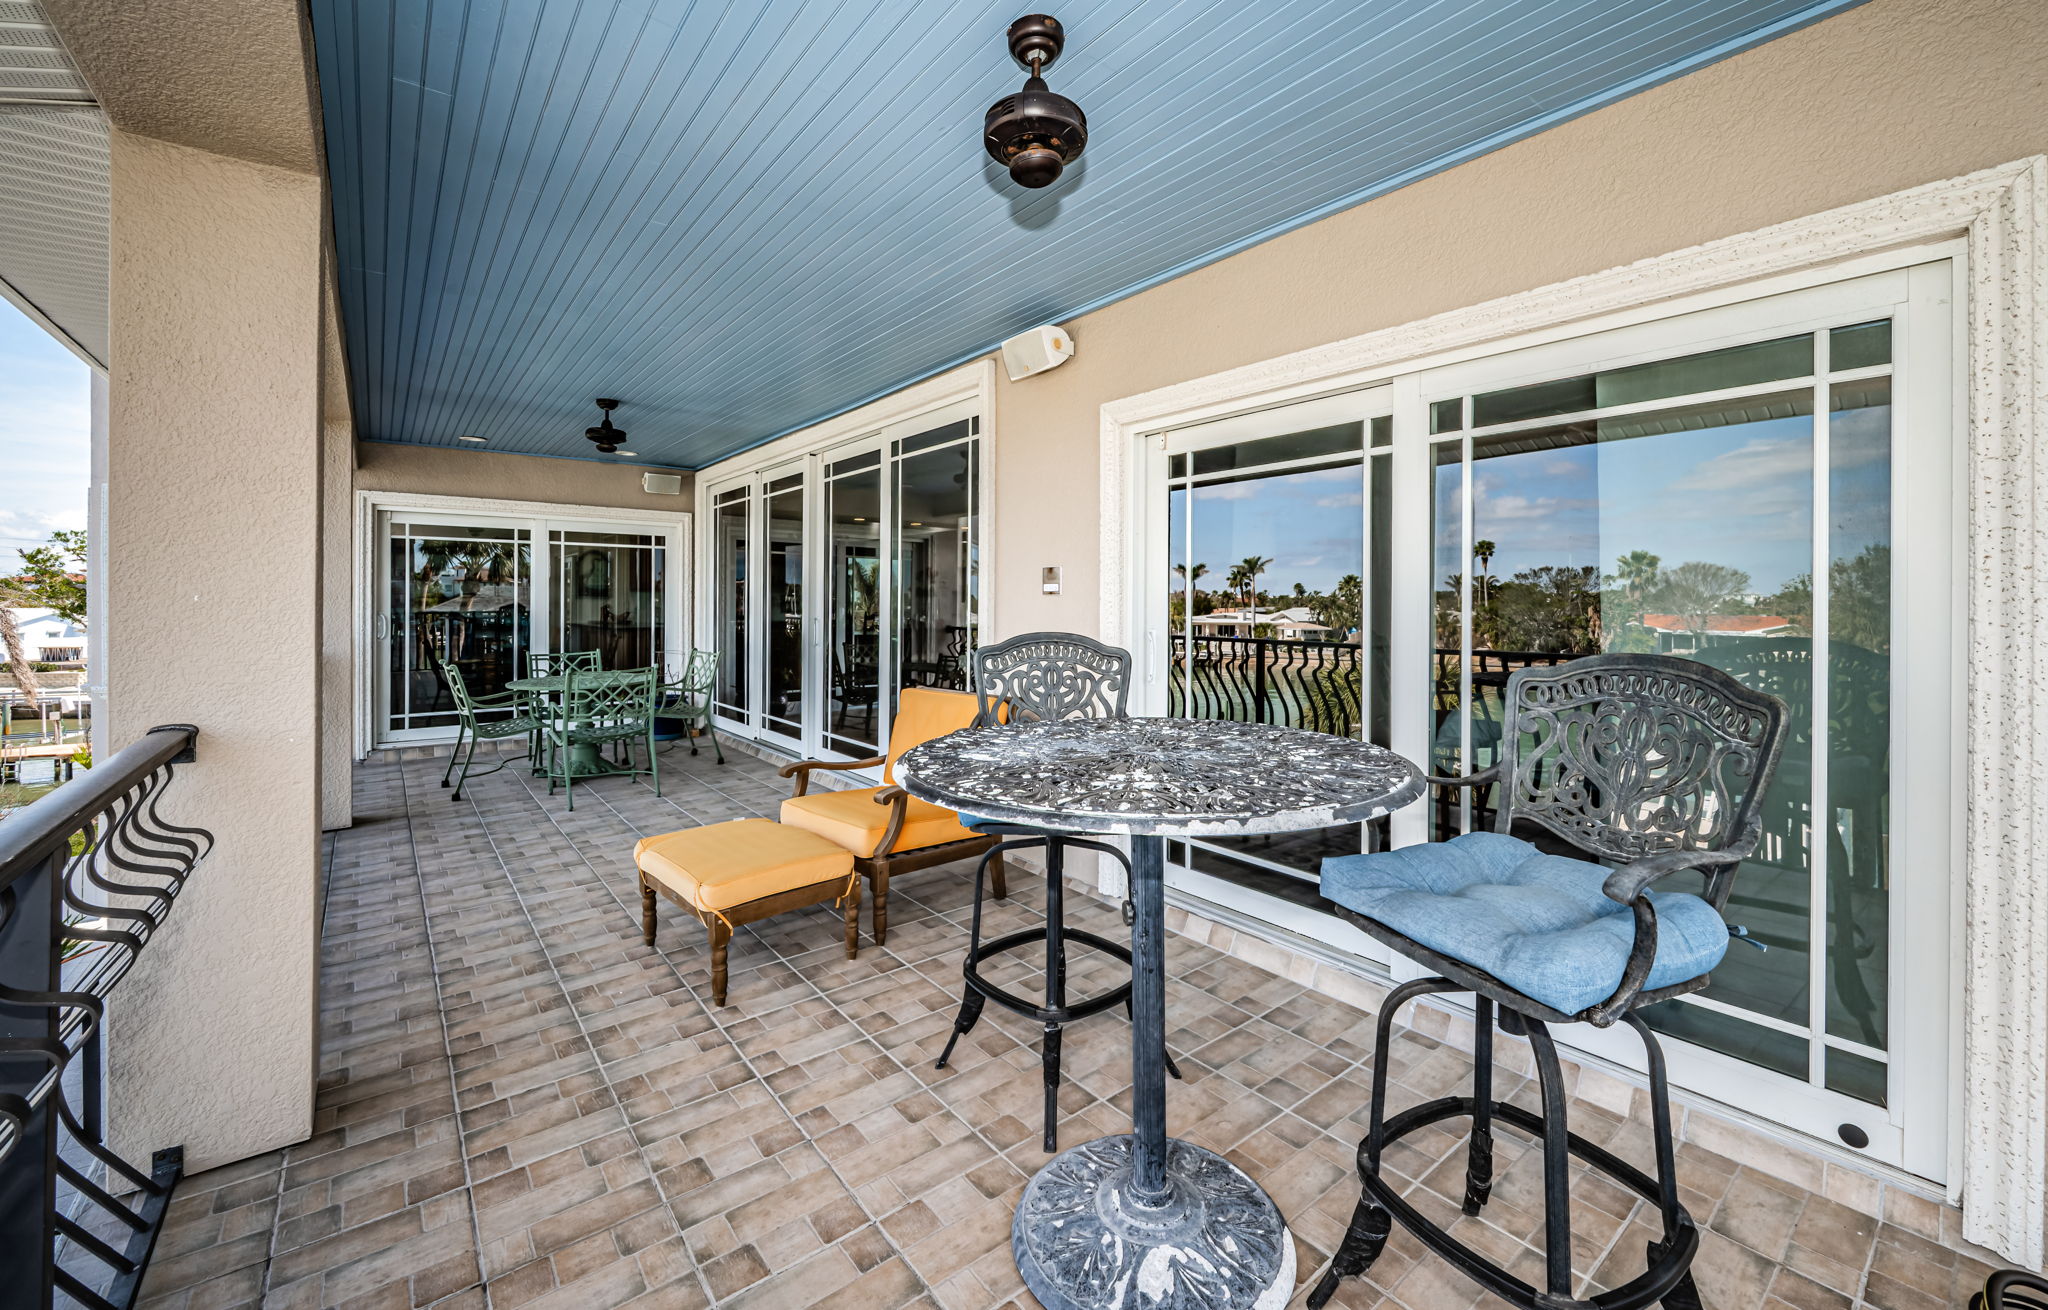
(1043,676)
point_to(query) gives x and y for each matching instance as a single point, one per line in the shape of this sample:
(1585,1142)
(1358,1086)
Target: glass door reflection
(851,691)
(1268,608)
(933,515)
(1617,511)
(782,606)
(608,595)
(458,593)
(730,532)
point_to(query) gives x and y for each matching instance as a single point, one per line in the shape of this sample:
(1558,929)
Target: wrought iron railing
(1300,684)
(88,873)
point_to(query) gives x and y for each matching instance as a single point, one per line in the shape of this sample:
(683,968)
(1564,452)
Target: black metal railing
(1300,684)
(88,873)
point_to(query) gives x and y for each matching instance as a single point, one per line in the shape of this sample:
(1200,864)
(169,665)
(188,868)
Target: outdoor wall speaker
(1036,351)
(662,484)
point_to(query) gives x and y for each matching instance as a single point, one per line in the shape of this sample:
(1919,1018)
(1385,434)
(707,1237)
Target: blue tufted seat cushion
(1537,922)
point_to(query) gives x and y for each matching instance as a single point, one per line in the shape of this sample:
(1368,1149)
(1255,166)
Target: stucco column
(212,576)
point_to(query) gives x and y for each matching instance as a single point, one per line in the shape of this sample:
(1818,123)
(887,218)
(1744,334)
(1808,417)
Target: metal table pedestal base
(1084,1242)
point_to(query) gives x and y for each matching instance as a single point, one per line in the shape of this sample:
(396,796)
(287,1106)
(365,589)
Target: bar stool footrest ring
(1671,1257)
(1036,1010)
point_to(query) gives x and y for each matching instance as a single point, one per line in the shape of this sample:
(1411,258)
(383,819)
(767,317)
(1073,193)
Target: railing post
(1258,680)
(29,962)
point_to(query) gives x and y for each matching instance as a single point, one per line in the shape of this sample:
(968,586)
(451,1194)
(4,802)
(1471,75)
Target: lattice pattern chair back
(465,703)
(552,662)
(1630,755)
(700,672)
(609,701)
(1050,675)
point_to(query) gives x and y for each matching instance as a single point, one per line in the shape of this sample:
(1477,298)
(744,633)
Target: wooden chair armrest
(898,801)
(801,770)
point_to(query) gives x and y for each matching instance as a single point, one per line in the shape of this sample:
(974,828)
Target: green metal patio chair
(561,661)
(688,699)
(522,722)
(597,709)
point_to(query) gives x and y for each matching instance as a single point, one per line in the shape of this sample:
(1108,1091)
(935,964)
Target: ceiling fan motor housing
(1037,132)
(607,437)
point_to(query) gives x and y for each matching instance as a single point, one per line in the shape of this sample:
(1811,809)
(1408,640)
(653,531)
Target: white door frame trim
(679,522)
(2001,1169)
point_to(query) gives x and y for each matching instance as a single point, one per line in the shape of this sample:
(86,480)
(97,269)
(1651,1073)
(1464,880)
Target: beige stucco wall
(1887,96)
(212,565)
(337,565)
(498,475)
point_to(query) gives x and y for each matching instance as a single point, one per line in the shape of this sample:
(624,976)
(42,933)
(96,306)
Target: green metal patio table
(586,759)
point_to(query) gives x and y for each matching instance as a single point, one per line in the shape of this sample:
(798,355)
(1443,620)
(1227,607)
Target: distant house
(48,637)
(1677,634)
(1297,622)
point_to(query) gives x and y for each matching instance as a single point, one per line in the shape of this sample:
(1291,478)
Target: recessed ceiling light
(860,520)
(629,452)
(917,525)
(478,440)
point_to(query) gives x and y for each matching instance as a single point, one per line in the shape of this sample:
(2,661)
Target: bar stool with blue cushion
(1651,764)
(1038,677)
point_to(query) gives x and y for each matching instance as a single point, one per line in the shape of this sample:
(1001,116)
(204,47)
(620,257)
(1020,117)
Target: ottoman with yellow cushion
(743,871)
(887,829)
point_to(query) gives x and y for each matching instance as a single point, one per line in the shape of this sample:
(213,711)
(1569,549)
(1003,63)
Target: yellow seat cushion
(722,865)
(852,820)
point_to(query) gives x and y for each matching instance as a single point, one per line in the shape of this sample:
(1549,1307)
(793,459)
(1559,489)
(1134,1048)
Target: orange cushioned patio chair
(888,830)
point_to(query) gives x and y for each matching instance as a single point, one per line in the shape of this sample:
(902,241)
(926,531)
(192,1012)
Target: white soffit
(53,184)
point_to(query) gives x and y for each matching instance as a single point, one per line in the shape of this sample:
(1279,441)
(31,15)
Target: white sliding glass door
(1766,487)
(1272,610)
(485,590)
(838,578)
(456,591)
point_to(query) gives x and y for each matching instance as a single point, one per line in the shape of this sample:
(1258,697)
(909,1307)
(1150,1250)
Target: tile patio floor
(521,1105)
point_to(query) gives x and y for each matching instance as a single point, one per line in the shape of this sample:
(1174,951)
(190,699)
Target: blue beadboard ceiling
(743,217)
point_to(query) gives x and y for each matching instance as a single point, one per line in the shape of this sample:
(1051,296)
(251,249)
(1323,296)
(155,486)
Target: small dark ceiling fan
(607,437)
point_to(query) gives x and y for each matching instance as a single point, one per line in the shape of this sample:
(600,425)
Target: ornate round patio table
(1144,1221)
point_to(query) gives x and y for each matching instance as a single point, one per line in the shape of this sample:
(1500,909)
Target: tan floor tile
(513,1087)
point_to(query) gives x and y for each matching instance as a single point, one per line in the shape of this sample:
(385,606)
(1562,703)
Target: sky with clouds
(1722,490)
(45,436)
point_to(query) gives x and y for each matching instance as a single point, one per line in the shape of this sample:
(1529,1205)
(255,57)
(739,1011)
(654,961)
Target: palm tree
(1190,576)
(1482,550)
(1235,580)
(1637,571)
(1252,566)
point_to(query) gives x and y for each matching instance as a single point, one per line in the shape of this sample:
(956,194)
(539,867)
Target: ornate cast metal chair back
(1050,675)
(1631,755)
